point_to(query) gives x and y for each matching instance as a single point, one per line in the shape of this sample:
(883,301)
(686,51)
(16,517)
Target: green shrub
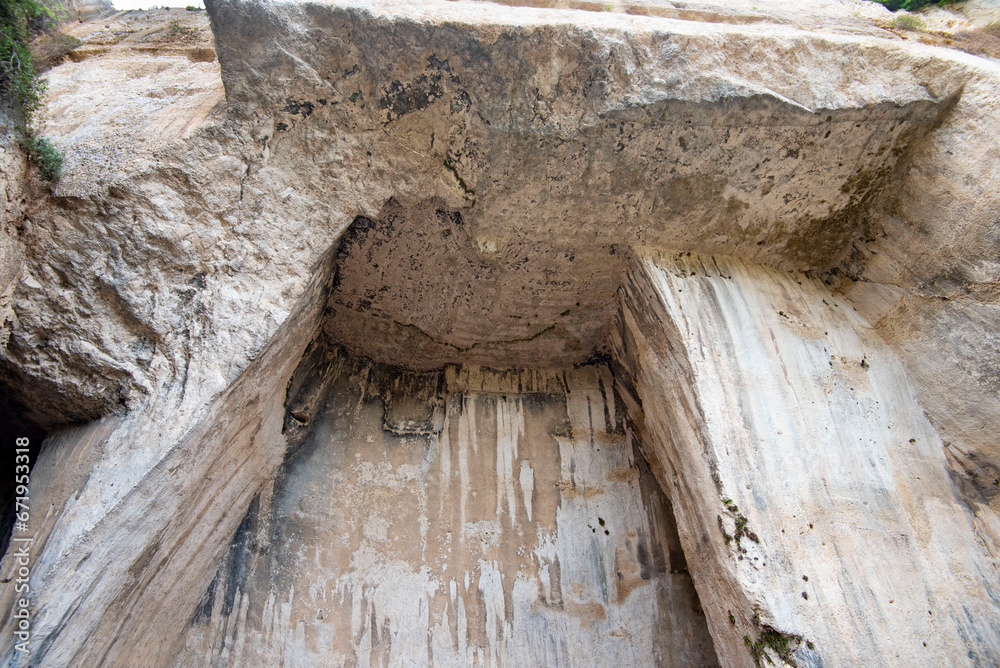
(20,85)
(45,155)
(910,5)
(19,82)
(178,30)
(909,22)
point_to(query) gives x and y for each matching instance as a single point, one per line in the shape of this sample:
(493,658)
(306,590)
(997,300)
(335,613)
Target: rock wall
(773,405)
(941,313)
(103,596)
(463,518)
(506,168)
(13,205)
(13,168)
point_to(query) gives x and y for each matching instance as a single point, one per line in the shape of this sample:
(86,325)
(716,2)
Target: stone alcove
(438,502)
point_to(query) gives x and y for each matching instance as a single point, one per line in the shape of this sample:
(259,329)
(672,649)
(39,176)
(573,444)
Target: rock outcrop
(636,292)
(461,518)
(773,401)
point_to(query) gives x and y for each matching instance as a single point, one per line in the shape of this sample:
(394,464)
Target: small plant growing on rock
(45,155)
(910,5)
(742,526)
(909,22)
(783,645)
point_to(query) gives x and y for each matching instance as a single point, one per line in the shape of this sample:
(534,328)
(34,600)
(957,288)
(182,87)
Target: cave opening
(18,424)
(461,466)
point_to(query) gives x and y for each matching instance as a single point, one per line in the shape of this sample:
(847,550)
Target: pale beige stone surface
(181,510)
(166,277)
(420,521)
(772,400)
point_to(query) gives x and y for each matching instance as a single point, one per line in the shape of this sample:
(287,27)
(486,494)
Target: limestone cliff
(459,333)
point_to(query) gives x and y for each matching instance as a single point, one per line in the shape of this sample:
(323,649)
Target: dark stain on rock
(871,194)
(555,580)
(433,63)
(239,551)
(703,191)
(400,99)
(295,107)
(204,609)
(825,240)
(143,560)
(461,102)
(955,278)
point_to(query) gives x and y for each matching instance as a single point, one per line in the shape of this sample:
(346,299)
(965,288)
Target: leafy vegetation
(20,85)
(19,20)
(45,155)
(910,5)
(909,22)
(783,645)
(51,47)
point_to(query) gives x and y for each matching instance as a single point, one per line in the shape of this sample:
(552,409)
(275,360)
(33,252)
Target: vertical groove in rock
(522,527)
(770,405)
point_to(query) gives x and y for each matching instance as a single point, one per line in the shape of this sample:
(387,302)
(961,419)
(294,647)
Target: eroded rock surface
(432,184)
(457,518)
(773,401)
